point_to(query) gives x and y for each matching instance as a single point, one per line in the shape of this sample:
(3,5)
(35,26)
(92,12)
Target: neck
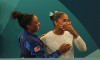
(58,32)
(30,31)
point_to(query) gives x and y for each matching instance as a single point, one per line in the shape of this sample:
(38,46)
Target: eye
(64,20)
(36,22)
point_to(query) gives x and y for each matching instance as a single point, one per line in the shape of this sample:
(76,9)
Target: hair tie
(56,11)
(51,14)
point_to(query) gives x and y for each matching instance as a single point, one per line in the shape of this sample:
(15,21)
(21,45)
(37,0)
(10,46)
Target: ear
(28,26)
(55,23)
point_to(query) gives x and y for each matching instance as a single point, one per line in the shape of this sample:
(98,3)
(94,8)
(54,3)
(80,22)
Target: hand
(64,47)
(43,34)
(69,28)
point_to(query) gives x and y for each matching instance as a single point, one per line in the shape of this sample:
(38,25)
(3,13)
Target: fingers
(70,22)
(67,45)
(64,44)
(66,26)
(70,46)
(64,47)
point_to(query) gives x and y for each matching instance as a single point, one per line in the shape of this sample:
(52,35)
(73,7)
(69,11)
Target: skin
(34,26)
(63,24)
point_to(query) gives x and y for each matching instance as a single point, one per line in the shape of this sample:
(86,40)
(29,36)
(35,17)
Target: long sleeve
(80,44)
(39,52)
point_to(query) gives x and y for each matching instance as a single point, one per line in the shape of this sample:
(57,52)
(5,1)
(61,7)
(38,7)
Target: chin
(61,29)
(37,29)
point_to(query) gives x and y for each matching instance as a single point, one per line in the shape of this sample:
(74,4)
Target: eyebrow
(65,19)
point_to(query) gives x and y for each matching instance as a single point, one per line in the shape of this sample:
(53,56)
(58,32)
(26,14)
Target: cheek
(65,23)
(61,23)
(37,27)
(33,26)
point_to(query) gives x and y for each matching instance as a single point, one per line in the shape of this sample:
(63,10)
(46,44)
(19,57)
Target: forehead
(35,18)
(64,16)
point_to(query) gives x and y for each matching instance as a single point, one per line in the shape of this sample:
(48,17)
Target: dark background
(88,13)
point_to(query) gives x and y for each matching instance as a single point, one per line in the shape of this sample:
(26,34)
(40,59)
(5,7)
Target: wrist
(75,34)
(58,52)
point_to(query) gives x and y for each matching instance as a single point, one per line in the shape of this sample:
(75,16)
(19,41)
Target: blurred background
(84,15)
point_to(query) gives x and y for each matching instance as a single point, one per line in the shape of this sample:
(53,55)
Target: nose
(38,23)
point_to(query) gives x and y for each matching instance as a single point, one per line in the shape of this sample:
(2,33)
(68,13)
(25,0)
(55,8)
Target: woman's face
(34,26)
(63,20)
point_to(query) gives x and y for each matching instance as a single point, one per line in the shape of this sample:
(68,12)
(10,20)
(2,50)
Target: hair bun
(17,15)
